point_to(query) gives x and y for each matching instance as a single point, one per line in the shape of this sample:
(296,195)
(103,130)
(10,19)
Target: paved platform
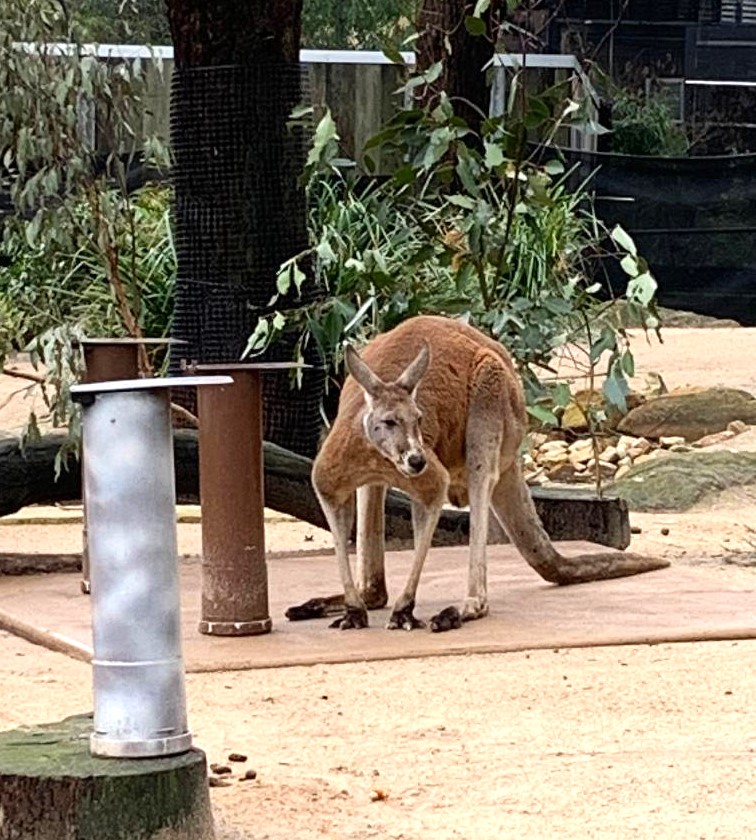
(675,604)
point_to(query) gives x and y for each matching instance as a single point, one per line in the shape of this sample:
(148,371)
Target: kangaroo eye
(389,423)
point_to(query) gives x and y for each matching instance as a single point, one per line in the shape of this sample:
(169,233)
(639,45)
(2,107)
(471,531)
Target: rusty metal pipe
(137,664)
(234,570)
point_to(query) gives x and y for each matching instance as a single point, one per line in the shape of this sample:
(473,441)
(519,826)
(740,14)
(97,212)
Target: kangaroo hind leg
(371,545)
(483,441)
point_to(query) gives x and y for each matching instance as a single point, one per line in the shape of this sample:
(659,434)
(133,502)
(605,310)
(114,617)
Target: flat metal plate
(87,342)
(258,366)
(155,384)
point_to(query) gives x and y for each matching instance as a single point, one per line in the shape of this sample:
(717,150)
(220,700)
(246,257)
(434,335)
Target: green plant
(77,218)
(471,225)
(645,126)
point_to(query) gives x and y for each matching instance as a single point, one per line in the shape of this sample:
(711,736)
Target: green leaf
(325,135)
(475,26)
(325,252)
(629,264)
(543,415)
(481,7)
(624,240)
(553,167)
(299,277)
(562,394)
(642,289)
(463,201)
(494,155)
(628,363)
(537,112)
(279,321)
(615,391)
(393,55)
(606,341)
(283,280)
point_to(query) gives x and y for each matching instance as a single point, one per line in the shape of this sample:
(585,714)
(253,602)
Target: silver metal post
(138,671)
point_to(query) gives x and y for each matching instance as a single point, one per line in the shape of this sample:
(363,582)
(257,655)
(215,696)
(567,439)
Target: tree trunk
(28,478)
(443,36)
(51,788)
(240,209)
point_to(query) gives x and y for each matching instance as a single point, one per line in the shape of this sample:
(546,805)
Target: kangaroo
(436,409)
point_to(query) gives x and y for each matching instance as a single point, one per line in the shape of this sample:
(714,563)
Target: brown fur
(473,421)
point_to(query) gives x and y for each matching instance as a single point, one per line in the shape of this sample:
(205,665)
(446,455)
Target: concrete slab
(676,604)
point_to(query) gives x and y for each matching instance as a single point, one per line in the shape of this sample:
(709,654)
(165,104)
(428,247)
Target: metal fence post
(138,673)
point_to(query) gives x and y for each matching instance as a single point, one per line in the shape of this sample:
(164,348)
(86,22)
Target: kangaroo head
(392,419)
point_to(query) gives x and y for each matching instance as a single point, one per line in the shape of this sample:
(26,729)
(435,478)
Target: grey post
(138,670)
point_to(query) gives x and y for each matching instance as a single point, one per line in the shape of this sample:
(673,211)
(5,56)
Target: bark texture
(28,478)
(444,37)
(51,788)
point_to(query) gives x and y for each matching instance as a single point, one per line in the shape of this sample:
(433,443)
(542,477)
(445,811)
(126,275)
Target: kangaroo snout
(416,463)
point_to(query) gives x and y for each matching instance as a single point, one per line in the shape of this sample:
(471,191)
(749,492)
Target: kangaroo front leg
(340,519)
(371,545)
(424,521)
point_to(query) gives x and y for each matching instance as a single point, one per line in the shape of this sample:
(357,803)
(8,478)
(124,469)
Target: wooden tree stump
(51,788)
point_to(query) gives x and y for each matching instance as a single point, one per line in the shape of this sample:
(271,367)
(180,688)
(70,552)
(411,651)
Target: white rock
(672,440)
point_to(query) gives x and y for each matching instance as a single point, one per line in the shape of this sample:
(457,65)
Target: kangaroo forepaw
(355,618)
(448,619)
(403,619)
(474,608)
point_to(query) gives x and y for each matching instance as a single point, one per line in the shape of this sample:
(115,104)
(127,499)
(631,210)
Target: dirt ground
(623,742)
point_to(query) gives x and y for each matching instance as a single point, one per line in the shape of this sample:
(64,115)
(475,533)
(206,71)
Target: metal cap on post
(234,571)
(138,672)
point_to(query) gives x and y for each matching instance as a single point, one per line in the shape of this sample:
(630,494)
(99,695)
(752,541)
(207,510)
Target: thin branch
(19,374)
(180,413)
(13,394)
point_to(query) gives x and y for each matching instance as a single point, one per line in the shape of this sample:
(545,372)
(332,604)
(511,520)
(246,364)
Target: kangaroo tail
(513,506)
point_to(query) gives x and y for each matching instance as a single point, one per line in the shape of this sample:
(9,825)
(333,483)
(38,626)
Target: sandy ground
(648,742)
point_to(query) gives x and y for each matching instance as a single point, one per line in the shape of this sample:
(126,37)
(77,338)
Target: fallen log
(27,477)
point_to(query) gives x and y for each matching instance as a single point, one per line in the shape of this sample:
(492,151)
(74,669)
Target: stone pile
(552,457)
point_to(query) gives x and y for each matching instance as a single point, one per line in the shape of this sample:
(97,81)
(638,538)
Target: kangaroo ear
(366,379)
(414,372)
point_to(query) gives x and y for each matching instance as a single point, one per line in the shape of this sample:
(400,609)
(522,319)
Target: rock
(681,447)
(690,415)
(553,446)
(737,427)
(677,482)
(537,439)
(610,454)
(711,440)
(606,469)
(653,455)
(580,445)
(250,775)
(669,442)
(665,532)
(237,757)
(640,447)
(553,457)
(562,472)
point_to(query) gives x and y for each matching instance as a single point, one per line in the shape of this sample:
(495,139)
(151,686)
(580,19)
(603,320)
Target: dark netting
(239,213)
(693,219)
